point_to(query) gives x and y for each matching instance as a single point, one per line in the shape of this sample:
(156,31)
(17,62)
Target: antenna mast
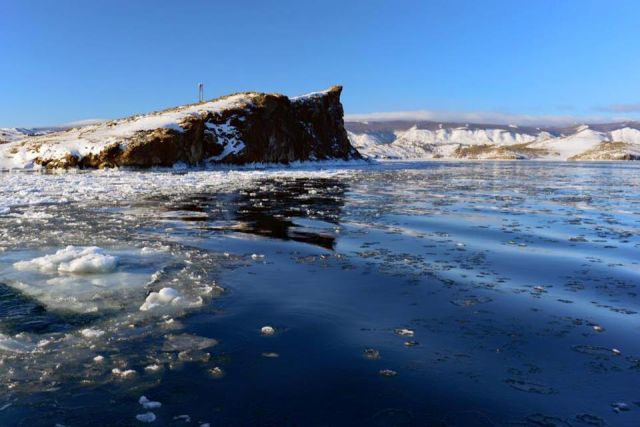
(200,92)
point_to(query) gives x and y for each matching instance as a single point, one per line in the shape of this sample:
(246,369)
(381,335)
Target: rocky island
(241,128)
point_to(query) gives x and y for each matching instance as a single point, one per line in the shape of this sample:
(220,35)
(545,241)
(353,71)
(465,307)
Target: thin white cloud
(487,117)
(621,108)
(78,123)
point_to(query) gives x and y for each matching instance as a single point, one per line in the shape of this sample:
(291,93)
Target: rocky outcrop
(610,150)
(236,129)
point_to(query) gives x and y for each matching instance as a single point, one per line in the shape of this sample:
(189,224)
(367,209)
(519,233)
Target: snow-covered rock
(241,128)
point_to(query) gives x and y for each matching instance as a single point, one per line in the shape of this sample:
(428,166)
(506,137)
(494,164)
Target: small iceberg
(72,259)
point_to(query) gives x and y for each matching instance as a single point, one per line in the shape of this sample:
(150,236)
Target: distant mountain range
(436,140)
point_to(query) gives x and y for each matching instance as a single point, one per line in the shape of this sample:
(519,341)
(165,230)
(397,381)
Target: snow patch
(229,137)
(72,259)
(165,298)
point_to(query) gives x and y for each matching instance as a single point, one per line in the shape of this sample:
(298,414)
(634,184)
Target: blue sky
(65,60)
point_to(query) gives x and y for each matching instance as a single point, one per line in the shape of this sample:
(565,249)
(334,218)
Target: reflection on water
(302,210)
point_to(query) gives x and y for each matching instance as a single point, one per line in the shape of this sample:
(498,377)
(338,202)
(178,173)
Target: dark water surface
(518,282)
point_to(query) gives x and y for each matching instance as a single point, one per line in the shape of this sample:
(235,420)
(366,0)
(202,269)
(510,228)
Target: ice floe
(216,372)
(267,330)
(166,298)
(147,417)
(148,404)
(404,332)
(84,279)
(184,342)
(127,373)
(91,333)
(15,345)
(371,354)
(72,259)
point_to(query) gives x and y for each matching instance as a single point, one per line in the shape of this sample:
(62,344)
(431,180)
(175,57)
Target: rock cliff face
(237,129)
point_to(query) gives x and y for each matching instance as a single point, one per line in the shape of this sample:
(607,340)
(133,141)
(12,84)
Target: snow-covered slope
(93,139)
(14,134)
(10,134)
(428,140)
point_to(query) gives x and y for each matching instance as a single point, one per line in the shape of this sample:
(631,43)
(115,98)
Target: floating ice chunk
(267,330)
(72,259)
(91,333)
(216,372)
(194,356)
(185,342)
(168,294)
(404,332)
(529,387)
(152,368)
(388,373)
(15,346)
(98,359)
(148,417)
(620,406)
(123,374)
(89,264)
(164,298)
(148,404)
(256,257)
(152,251)
(371,354)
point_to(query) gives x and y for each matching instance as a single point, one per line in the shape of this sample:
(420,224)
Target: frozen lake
(431,294)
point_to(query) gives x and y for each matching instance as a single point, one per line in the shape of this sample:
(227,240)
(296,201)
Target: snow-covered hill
(14,134)
(429,140)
